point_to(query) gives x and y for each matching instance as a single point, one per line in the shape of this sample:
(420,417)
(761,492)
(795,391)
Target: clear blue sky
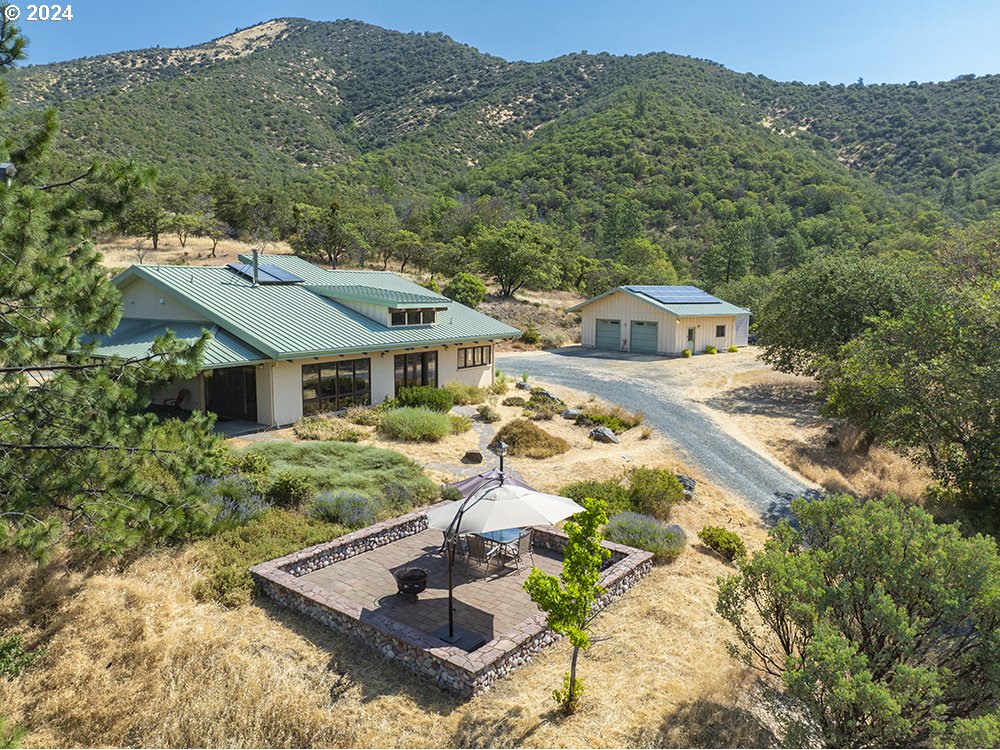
(807,40)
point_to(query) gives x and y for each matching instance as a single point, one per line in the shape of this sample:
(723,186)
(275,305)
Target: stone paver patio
(489,604)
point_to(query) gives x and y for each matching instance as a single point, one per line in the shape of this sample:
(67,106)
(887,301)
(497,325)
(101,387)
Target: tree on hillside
(622,221)
(466,289)
(78,459)
(570,601)
(145,216)
(817,308)
(322,233)
(884,625)
(729,258)
(516,254)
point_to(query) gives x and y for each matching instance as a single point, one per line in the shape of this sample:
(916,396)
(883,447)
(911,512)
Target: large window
(412,317)
(416,369)
(474,356)
(332,386)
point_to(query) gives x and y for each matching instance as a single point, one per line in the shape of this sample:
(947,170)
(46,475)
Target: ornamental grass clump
(487,413)
(647,533)
(322,427)
(527,440)
(616,418)
(350,509)
(415,425)
(463,395)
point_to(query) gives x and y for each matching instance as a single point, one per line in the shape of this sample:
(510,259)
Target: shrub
(425,397)
(514,401)
(524,377)
(225,559)
(616,418)
(646,434)
(615,497)
(14,657)
(528,440)
(553,340)
(325,428)
(290,490)
(466,289)
(725,543)
(733,348)
(463,394)
(685,353)
(645,532)
(487,413)
(530,335)
(654,491)
(232,500)
(460,423)
(415,425)
(709,349)
(363,415)
(252,466)
(351,509)
(348,466)
(498,387)
(451,493)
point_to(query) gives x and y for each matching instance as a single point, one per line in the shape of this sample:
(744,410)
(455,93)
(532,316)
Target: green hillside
(308,112)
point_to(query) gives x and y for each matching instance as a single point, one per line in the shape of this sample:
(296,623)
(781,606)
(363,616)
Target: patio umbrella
(494,503)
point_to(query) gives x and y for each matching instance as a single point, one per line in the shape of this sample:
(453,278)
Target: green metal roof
(134,338)
(382,297)
(677,309)
(293,321)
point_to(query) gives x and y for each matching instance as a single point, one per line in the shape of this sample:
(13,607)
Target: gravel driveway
(651,384)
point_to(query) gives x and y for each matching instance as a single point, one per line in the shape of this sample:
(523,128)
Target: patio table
(501,536)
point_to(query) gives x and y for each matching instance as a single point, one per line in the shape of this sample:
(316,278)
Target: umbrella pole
(451,590)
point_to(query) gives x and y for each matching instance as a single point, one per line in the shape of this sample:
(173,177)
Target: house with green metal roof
(290,339)
(661,320)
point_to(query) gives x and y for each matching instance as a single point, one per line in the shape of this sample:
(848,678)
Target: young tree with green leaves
(322,232)
(517,254)
(466,289)
(883,624)
(571,600)
(78,459)
(729,258)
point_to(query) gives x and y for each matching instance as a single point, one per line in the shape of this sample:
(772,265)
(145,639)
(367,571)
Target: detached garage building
(661,320)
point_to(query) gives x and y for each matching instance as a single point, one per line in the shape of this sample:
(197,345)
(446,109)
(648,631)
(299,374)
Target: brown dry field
(779,415)
(121,252)
(133,659)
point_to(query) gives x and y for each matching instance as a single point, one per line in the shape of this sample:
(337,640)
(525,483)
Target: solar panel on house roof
(676,295)
(266,273)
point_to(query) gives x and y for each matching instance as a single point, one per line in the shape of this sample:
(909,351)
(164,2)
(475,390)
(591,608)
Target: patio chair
(178,403)
(479,551)
(515,553)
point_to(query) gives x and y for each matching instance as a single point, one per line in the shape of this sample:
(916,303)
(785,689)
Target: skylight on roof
(266,273)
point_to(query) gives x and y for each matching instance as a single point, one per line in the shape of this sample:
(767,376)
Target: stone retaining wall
(463,674)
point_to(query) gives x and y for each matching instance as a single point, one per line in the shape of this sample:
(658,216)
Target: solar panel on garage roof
(675,295)
(266,273)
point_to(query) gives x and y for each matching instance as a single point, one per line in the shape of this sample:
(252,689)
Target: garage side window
(475,356)
(720,332)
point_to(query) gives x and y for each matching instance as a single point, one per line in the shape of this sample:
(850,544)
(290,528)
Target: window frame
(467,353)
(326,381)
(428,366)
(425,316)
(721,327)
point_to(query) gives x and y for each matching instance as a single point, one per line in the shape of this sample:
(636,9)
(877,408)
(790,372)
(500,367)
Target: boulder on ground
(522,385)
(603,435)
(688,484)
(570,414)
(472,457)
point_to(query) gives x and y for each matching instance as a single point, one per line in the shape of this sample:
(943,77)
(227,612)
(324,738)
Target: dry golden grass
(120,252)
(781,414)
(133,659)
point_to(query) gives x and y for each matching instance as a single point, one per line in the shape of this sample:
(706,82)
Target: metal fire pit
(411,581)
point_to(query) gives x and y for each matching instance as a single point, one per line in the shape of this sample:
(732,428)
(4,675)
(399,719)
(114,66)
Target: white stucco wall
(140,299)
(671,330)
(279,384)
